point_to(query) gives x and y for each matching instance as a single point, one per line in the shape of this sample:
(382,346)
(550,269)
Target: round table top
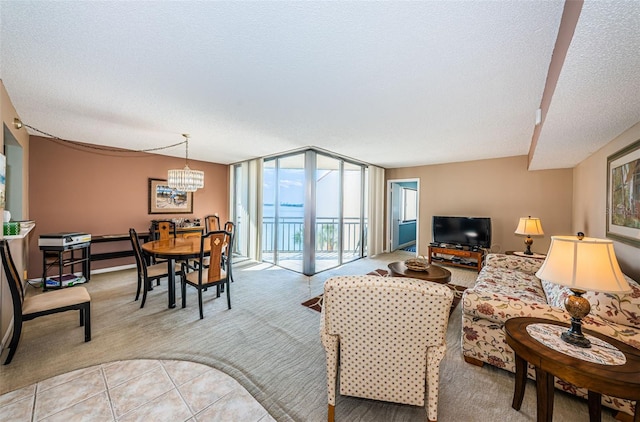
(615,380)
(433,273)
(178,247)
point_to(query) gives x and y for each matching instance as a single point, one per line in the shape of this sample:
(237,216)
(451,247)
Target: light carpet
(267,342)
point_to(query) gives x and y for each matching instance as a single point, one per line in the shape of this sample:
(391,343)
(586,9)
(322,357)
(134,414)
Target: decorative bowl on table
(417,264)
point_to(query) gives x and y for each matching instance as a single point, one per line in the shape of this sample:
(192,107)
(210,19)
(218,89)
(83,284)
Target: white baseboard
(112,269)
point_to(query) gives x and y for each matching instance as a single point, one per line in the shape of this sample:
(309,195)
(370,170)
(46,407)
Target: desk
(617,380)
(175,249)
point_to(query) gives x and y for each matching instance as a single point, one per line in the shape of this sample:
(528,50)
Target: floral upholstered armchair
(386,335)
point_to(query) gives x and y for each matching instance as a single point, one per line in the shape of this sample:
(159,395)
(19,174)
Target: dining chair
(146,272)
(213,275)
(227,252)
(162,229)
(211,223)
(26,308)
(386,336)
(229,227)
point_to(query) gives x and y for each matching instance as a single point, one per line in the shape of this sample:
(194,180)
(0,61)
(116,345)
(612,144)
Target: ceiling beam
(568,23)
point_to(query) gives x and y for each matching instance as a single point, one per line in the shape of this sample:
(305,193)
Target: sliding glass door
(313,213)
(328,225)
(283,211)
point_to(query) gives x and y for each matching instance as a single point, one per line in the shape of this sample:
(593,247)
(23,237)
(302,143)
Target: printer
(63,240)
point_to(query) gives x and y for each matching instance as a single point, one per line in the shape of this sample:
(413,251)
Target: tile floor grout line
(106,384)
(175,386)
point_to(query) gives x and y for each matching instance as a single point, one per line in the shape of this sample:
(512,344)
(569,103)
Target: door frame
(389,219)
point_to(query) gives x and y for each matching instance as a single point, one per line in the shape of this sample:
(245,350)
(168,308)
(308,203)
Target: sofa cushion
(513,262)
(524,286)
(556,294)
(621,308)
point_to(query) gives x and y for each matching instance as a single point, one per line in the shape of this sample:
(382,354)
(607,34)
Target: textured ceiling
(390,83)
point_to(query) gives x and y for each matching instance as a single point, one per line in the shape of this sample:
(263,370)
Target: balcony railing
(291,234)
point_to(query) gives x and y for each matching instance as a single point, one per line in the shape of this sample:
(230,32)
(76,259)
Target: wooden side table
(617,378)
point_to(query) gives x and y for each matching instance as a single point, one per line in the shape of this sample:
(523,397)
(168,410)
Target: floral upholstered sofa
(507,288)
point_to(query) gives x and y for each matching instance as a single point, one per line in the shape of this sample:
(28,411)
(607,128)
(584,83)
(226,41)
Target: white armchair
(387,336)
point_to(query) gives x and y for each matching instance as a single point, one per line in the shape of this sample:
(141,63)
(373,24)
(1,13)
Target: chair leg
(331,414)
(228,295)
(17,330)
(87,321)
(200,303)
(139,287)
(183,291)
(146,284)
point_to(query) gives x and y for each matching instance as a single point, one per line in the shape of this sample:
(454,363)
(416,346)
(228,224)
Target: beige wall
(502,189)
(590,199)
(74,188)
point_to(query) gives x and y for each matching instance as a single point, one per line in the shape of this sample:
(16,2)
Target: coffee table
(433,273)
(619,377)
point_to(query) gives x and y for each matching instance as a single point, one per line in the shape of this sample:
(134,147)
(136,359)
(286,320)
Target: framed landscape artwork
(623,195)
(166,200)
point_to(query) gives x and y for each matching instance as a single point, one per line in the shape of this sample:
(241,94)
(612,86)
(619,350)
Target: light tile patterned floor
(135,390)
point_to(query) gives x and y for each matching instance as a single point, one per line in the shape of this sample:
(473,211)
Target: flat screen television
(462,231)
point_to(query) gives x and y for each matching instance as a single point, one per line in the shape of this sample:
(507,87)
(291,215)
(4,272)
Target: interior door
(395,215)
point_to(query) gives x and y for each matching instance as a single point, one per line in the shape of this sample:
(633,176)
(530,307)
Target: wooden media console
(461,258)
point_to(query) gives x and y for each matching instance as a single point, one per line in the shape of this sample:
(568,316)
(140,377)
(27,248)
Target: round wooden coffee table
(433,273)
(616,379)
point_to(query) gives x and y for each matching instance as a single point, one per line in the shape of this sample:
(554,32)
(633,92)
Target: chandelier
(186,179)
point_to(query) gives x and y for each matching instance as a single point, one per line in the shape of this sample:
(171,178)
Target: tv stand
(456,257)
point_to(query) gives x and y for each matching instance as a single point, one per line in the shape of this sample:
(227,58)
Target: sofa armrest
(499,308)
(513,262)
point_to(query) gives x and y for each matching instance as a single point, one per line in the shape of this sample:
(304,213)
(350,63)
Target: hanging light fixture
(186,179)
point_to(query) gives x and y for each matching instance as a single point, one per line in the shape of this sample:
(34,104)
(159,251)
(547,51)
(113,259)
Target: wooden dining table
(173,250)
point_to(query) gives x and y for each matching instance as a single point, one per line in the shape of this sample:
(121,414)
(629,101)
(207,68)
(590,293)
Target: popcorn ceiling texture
(454,81)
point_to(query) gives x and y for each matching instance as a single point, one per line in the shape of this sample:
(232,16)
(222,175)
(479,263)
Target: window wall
(313,213)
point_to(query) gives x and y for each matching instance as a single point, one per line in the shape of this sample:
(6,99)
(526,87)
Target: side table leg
(521,382)
(544,390)
(595,406)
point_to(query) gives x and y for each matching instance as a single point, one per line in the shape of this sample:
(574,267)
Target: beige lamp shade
(585,264)
(529,226)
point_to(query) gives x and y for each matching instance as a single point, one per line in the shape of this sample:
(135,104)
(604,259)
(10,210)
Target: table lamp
(529,226)
(581,263)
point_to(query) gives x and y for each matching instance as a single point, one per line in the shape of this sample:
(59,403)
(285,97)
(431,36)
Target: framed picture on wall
(623,195)
(166,200)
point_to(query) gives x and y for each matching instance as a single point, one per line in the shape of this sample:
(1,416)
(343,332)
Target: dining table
(173,250)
